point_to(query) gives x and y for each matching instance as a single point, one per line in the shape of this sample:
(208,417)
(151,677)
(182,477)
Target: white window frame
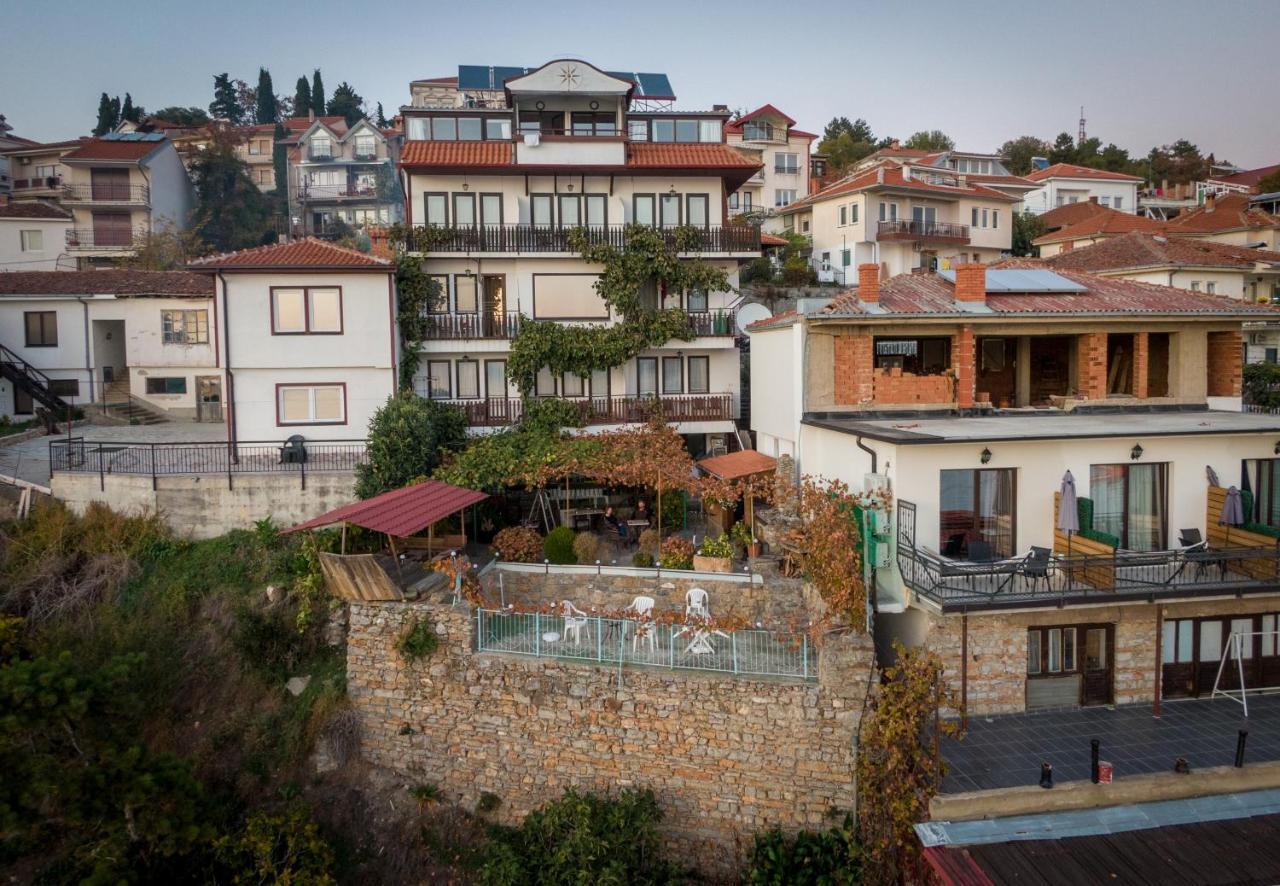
(311,390)
(30,236)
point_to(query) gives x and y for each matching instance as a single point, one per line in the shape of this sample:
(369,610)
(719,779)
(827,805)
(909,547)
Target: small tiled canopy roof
(743,463)
(400,512)
(306,254)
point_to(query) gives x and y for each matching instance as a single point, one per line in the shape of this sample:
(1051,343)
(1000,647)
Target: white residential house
(769,137)
(342,176)
(1064,183)
(33,236)
(902,217)
(140,343)
(306,337)
(502,182)
(36,169)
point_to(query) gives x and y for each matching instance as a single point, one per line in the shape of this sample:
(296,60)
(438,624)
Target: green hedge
(1084,510)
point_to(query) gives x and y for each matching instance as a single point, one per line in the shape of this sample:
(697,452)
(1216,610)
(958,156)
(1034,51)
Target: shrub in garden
(643,559)
(648,542)
(720,546)
(586,547)
(518,544)
(558,545)
(677,553)
(829,858)
(419,641)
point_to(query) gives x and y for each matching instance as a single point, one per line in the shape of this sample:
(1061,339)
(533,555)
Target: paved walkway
(29,460)
(1006,751)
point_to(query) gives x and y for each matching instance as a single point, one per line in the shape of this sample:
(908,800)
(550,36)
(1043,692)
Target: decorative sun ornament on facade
(569,77)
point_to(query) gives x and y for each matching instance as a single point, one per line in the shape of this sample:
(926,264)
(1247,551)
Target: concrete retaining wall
(201,505)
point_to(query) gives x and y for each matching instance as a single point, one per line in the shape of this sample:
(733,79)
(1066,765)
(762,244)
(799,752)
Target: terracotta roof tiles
(34,209)
(1071,213)
(672,154)
(1105,223)
(299,254)
(736,124)
(1229,212)
(115,150)
(742,463)
(1070,170)
(426,153)
(1143,250)
(893,177)
(116,282)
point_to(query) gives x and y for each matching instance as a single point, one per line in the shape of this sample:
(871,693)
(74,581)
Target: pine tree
(317,94)
(225,104)
(106,116)
(381,119)
(346,103)
(267,112)
(280,160)
(302,98)
(115,111)
(128,111)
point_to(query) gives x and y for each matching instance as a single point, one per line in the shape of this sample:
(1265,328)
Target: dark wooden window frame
(448,378)
(657,377)
(635,211)
(484,219)
(706,212)
(505,391)
(43,327)
(551,202)
(464,196)
(663,380)
(478,294)
(689,376)
(457,369)
(426,214)
(1124,507)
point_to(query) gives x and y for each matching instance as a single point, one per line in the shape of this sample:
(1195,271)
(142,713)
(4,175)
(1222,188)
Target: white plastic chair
(575,621)
(696,604)
(643,608)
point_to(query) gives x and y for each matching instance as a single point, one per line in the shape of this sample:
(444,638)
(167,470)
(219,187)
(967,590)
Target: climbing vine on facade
(648,256)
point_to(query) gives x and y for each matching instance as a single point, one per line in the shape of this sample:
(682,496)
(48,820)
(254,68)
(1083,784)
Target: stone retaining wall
(726,757)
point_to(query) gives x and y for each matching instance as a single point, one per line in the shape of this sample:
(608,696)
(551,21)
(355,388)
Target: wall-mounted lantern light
(1136,452)
(985,457)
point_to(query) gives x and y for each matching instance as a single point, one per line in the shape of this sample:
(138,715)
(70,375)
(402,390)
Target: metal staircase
(27,378)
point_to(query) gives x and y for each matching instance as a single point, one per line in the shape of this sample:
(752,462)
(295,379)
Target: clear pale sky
(1147,71)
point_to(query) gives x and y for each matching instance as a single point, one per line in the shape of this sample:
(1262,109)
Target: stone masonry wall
(726,757)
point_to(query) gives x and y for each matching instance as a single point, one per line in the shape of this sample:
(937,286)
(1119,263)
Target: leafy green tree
(1114,159)
(165,248)
(407,438)
(302,98)
(930,140)
(1063,149)
(1269,184)
(1027,226)
(317,94)
(809,858)
(845,150)
(231,213)
(859,130)
(182,116)
(107,117)
(130,112)
(267,110)
(346,103)
(1017,153)
(1178,163)
(279,848)
(226,102)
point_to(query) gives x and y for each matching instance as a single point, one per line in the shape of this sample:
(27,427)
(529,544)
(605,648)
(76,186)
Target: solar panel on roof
(655,86)
(503,74)
(473,77)
(1023,280)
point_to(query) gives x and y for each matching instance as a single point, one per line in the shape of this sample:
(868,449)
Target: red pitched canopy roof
(34,209)
(428,153)
(114,149)
(300,254)
(1228,212)
(736,125)
(1070,170)
(742,463)
(893,178)
(1071,213)
(1141,250)
(400,512)
(1104,223)
(643,155)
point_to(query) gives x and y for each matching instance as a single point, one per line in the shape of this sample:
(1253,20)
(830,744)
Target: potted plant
(715,555)
(741,534)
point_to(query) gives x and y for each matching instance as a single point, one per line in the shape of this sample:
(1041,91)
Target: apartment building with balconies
(36,170)
(342,176)
(119,188)
(903,217)
(501,177)
(981,400)
(769,137)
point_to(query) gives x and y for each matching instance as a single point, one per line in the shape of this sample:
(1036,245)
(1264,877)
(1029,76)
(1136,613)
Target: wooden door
(1096,661)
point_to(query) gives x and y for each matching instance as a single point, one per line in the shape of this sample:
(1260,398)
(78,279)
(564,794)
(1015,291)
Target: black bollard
(1181,766)
(1046,774)
(1241,736)
(1093,760)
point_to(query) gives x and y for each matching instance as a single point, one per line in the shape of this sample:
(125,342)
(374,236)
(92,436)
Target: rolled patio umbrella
(1232,511)
(1211,475)
(1068,512)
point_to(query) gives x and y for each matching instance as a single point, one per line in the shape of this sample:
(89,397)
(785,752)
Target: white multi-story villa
(503,163)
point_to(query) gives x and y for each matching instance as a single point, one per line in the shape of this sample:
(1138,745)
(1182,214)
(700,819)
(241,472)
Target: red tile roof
(1071,213)
(425,153)
(400,512)
(105,282)
(300,254)
(37,147)
(1229,212)
(742,463)
(930,294)
(115,150)
(893,178)
(1106,222)
(786,318)
(676,156)
(800,133)
(34,209)
(1070,170)
(772,240)
(300,124)
(736,124)
(1249,177)
(1145,250)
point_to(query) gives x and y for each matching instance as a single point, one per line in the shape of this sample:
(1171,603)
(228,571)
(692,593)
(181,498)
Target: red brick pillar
(1225,361)
(962,361)
(853,367)
(1091,365)
(1140,359)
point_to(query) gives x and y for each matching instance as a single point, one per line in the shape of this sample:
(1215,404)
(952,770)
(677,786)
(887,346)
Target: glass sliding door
(647,376)
(978,514)
(1262,477)
(1130,502)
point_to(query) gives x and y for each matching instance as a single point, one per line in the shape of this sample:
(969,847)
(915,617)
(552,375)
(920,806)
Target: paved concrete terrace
(1006,751)
(29,460)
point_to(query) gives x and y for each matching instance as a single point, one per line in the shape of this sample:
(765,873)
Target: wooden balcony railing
(499,411)
(550,238)
(911,229)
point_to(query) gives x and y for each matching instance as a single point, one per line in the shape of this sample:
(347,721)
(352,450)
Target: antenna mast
(1080,138)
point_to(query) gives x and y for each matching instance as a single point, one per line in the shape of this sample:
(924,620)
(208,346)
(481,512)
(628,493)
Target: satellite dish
(752,313)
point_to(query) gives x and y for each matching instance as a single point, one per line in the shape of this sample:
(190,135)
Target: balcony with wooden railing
(916,230)
(116,193)
(553,238)
(497,412)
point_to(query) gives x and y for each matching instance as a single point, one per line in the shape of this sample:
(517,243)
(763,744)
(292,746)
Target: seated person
(643,512)
(611,520)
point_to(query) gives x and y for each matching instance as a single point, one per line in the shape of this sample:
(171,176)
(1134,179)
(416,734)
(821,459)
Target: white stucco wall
(1073,190)
(172,194)
(776,388)
(53,233)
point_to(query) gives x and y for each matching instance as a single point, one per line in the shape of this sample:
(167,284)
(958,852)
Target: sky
(1146,71)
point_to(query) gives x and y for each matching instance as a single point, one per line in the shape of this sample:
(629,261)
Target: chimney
(879,175)
(869,283)
(1210,201)
(906,173)
(311,115)
(895,144)
(971,282)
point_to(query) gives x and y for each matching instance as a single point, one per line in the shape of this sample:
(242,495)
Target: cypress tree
(280,161)
(267,111)
(381,119)
(226,103)
(106,116)
(301,98)
(115,111)
(317,94)
(128,111)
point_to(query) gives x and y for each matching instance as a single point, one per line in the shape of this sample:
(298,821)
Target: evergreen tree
(1063,150)
(346,103)
(302,98)
(128,111)
(267,111)
(225,104)
(182,116)
(115,111)
(317,94)
(381,118)
(280,160)
(1017,153)
(930,140)
(106,116)
(231,213)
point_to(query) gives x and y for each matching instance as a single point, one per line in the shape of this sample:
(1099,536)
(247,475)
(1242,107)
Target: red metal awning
(400,512)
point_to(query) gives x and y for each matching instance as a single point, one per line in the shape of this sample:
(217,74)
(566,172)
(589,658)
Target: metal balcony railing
(104,238)
(106,192)
(319,156)
(463,326)
(911,229)
(49,182)
(549,238)
(497,412)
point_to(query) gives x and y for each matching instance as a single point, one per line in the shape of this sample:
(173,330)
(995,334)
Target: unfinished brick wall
(726,757)
(1141,363)
(1091,365)
(893,386)
(853,367)
(962,362)
(1225,359)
